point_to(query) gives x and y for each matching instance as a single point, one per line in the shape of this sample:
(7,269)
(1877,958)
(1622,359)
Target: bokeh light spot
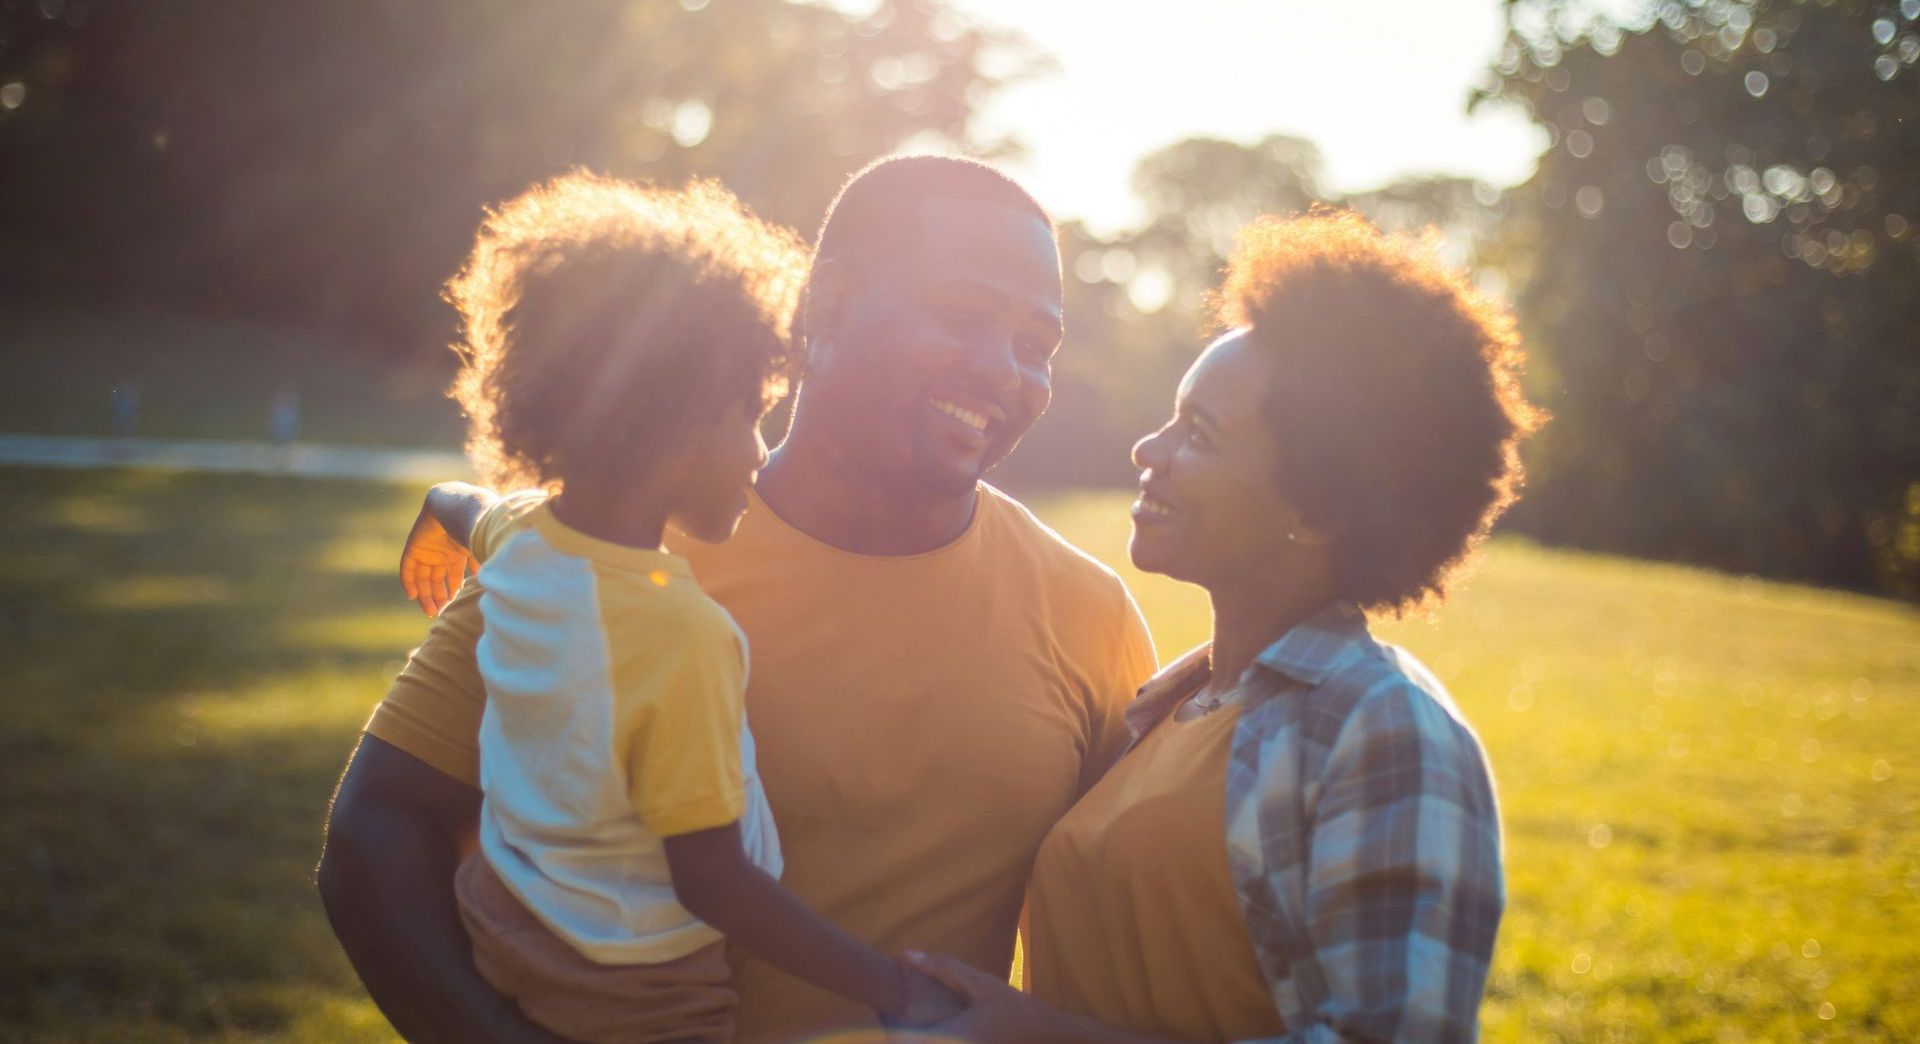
(692,121)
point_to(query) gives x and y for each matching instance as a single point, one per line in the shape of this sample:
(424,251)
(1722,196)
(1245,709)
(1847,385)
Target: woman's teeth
(1151,507)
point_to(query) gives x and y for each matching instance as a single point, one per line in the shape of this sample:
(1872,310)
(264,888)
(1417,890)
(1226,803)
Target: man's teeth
(976,421)
(1150,506)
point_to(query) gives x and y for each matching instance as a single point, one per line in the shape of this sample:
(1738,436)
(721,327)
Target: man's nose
(992,362)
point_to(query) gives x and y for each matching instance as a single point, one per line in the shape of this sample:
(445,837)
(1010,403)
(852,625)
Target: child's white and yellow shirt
(615,717)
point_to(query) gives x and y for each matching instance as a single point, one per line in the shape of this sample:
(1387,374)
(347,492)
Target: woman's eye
(1198,439)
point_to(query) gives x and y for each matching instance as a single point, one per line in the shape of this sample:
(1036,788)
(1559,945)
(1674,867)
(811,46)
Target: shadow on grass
(172,728)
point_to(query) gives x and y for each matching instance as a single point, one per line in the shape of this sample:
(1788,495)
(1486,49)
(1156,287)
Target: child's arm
(716,882)
(436,560)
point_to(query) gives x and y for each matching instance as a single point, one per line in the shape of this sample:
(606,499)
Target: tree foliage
(1716,264)
(1136,301)
(325,163)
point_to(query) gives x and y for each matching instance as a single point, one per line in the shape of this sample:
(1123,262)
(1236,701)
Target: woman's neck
(1249,616)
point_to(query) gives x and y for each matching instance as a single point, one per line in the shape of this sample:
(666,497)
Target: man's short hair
(865,225)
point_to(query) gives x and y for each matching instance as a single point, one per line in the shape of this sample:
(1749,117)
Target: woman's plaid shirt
(1362,834)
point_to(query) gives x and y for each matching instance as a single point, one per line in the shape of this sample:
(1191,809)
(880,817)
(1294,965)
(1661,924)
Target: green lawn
(1710,784)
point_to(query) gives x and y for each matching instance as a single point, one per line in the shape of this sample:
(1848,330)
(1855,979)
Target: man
(936,676)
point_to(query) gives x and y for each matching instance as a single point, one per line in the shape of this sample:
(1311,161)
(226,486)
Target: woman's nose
(1146,452)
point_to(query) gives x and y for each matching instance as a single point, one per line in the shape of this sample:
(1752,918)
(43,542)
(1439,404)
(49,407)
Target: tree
(325,163)
(1715,264)
(1136,302)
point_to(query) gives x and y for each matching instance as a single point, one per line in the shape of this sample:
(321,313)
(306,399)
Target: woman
(1302,841)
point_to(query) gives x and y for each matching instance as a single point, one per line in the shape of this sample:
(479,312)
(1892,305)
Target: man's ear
(830,293)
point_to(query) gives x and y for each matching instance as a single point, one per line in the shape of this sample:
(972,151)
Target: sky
(1380,85)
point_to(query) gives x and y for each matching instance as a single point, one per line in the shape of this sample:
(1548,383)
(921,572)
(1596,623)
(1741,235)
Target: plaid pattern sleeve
(1364,840)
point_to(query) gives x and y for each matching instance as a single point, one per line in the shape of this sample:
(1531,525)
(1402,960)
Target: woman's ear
(1308,534)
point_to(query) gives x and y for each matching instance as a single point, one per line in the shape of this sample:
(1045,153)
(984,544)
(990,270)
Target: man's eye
(960,319)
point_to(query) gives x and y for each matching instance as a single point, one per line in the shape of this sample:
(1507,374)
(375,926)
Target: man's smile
(969,419)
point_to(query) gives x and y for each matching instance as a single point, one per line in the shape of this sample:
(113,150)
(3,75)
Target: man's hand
(433,564)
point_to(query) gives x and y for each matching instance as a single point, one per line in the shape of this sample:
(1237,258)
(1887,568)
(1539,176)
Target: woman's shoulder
(1401,712)
(1366,694)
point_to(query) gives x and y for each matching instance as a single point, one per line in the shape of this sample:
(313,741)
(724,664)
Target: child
(621,345)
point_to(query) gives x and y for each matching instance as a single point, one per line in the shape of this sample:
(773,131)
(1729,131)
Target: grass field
(1710,784)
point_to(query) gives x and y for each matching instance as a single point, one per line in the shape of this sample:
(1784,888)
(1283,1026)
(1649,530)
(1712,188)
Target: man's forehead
(1009,248)
(958,223)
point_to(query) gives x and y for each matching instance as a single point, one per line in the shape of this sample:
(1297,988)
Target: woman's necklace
(1208,702)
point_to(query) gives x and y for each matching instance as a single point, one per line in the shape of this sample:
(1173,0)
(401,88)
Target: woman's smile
(1152,510)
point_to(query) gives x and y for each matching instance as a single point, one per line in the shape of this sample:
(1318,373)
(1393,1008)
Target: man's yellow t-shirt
(922,721)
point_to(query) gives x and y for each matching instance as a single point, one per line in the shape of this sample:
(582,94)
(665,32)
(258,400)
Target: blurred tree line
(1714,263)
(325,163)
(1718,269)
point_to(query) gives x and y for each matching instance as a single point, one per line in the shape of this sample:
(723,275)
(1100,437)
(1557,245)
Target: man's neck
(810,486)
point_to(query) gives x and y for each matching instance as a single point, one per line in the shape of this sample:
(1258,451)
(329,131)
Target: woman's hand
(931,1003)
(433,564)
(995,1011)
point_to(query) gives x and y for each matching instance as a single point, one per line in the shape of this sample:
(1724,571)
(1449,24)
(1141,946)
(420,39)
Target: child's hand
(433,565)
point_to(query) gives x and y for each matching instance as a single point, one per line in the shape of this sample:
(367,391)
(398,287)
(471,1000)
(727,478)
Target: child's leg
(688,999)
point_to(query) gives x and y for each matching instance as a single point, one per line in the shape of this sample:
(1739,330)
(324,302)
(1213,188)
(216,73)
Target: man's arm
(394,838)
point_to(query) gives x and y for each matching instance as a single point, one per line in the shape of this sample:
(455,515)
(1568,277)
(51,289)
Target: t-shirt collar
(1308,653)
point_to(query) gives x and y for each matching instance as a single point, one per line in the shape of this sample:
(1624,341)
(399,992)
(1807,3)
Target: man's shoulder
(1017,534)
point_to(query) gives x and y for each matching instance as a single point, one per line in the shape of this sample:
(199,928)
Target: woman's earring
(1291,535)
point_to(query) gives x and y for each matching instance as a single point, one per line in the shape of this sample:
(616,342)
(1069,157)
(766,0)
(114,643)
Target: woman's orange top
(1134,918)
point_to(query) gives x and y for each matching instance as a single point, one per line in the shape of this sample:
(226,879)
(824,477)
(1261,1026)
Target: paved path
(256,458)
